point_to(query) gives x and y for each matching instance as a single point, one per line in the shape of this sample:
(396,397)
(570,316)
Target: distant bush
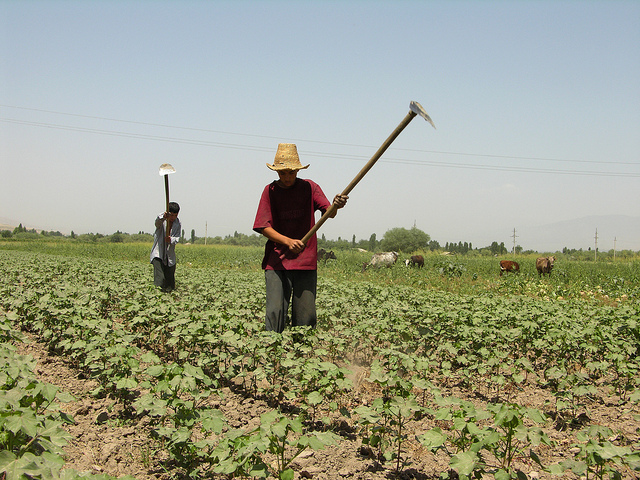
(26,236)
(451,269)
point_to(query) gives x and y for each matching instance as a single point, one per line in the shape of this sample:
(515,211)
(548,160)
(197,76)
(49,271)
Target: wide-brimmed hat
(287,158)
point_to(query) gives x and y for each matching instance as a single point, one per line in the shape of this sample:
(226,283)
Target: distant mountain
(10,224)
(7,224)
(621,232)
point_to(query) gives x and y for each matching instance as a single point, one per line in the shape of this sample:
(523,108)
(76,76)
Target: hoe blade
(417,109)
(166,169)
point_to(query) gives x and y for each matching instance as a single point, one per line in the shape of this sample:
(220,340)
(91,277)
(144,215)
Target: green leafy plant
(277,437)
(499,430)
(385,421)
(31,428)
(175,402)
(451,269)
(598,457)
(512,437)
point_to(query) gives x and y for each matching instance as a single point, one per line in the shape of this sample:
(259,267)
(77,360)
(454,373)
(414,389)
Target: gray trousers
(281,286)
(163,275)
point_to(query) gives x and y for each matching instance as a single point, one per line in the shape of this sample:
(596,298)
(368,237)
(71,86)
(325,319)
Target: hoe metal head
(416,108)
(166,169)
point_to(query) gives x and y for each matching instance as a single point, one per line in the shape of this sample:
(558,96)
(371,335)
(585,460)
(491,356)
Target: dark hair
(174,207)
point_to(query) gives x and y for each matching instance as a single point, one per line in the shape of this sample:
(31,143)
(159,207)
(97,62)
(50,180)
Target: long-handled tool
(414,109)
(166,169)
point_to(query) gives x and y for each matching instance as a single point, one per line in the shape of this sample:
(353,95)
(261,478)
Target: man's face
(287,177)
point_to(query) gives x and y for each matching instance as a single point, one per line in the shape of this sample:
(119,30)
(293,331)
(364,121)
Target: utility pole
(205,233)
(514,240)
(614,248)
(596,237)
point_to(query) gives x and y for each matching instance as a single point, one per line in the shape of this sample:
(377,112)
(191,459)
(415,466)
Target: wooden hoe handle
(415,109)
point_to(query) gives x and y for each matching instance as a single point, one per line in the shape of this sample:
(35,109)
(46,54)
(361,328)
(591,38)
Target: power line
(322,154)
(148,124)
(513,169)
(316,154)
(115,133)
(195,129)
(522,158)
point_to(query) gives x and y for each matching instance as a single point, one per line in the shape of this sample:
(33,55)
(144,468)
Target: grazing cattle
(324,255)
(544,265)
(385,259)
(415,260)
(508,266)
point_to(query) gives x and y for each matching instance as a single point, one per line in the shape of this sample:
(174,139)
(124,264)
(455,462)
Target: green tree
(373,243)
(193,235)
(403,240)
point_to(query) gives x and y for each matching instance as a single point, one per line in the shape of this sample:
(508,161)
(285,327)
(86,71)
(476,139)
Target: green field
(445,371)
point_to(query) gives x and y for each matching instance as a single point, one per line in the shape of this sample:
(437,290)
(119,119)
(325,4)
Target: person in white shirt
(163,253)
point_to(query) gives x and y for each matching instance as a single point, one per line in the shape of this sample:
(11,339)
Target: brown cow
(544,265)
(415,260)
(324,255)
(508,266)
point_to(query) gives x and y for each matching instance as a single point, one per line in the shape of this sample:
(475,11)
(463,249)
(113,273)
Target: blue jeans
(281,284)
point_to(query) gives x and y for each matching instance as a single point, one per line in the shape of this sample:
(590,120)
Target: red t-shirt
(290,212)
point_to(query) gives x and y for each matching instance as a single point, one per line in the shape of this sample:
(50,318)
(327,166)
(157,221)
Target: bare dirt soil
(107,442)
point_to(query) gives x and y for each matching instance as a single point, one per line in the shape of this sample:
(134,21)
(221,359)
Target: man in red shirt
(286,212)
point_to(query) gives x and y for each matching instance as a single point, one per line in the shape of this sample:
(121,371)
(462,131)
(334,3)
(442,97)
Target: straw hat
(287,158)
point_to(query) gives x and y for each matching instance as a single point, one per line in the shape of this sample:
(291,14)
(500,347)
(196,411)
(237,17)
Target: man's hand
(340,200)
(296,246)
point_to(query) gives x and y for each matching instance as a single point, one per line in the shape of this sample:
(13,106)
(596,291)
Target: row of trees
(397,239)
(23,230)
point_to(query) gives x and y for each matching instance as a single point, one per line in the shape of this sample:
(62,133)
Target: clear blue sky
(536,104)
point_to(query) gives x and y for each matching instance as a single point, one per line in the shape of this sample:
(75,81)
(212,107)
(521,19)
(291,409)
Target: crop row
(32,434)
(167,357)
